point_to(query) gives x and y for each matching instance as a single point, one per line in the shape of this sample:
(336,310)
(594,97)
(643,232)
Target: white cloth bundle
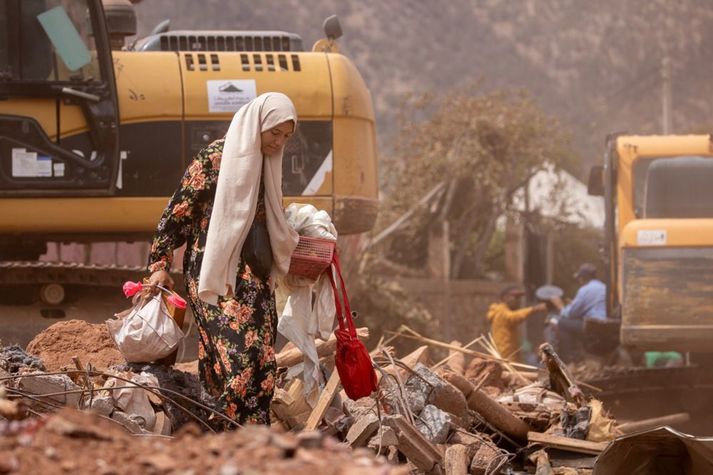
(301,321)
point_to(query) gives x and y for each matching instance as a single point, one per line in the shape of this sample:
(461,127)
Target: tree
(484,147)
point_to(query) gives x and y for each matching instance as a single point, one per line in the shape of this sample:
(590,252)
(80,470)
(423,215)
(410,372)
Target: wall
(460,305)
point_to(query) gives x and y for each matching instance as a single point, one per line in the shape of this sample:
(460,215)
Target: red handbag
(352,359)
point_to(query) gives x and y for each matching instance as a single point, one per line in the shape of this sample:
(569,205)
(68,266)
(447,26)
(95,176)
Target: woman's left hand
(162,278)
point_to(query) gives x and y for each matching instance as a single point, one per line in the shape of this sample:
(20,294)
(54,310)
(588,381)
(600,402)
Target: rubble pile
(146,399)
(480,416)
(71,441)
(470,413)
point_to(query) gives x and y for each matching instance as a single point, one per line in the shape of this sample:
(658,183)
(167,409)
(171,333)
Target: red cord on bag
(352,358)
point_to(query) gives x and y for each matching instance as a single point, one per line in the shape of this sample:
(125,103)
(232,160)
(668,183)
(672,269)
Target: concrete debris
(417,389)
(463,417)
(13,359)
(487,459)
(535,405)
(443,394)
(133,423)
(362,430)
(434,424)
(385,437)
(134,400)
(59,387)
(359,408)
(103,405)
(575,421)
(174,383)
(336,421)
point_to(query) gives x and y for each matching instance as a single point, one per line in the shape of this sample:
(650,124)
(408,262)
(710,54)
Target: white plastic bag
(147,333)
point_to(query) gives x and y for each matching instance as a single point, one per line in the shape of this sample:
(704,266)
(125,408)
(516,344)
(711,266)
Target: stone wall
(459,305)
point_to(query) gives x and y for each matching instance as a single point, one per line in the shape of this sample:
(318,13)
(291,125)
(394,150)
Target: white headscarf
(236,197)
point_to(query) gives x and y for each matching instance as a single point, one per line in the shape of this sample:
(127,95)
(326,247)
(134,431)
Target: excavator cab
(56,74)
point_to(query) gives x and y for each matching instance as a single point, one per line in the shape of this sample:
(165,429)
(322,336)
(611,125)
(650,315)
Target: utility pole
(666,108)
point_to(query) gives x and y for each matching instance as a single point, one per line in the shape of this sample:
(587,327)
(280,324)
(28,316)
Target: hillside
(594,65)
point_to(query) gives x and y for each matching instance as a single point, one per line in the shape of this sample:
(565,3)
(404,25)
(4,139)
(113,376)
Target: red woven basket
(311,257)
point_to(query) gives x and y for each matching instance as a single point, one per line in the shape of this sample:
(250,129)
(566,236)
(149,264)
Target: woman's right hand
(162,278)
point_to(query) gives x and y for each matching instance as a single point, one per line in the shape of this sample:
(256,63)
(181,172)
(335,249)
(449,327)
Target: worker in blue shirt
(590,302)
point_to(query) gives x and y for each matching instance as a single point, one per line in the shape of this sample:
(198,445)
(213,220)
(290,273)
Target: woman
(232,187)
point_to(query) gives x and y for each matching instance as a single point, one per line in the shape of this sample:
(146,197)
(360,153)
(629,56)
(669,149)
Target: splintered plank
(565,443)
(325,399)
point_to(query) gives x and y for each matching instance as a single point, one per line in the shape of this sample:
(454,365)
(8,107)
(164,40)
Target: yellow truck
(658,193)
(95,131)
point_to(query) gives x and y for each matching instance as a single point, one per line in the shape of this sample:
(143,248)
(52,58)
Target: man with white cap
(589,302)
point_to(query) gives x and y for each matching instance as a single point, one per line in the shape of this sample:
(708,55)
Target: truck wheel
(52,294)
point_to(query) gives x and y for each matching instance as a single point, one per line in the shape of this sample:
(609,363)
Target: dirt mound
(84,443)
(89,342)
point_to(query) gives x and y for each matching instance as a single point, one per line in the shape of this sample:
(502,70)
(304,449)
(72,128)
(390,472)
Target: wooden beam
(494,412)
(415,336)
(419,355)
(293,356)
(565,443)
(457,460)
(645,424)
(417,449)
(325,399)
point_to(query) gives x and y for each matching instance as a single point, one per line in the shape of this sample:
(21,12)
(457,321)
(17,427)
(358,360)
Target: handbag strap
(337,303)
(344,315)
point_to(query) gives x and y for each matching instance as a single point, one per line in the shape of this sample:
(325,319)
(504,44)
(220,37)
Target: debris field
(70,405)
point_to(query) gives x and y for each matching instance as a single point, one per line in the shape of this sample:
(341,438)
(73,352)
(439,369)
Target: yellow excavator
(659,239)
(95,132)
(659,254)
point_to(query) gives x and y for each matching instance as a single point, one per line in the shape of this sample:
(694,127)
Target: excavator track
(648,380)
(70,273)
(28,272)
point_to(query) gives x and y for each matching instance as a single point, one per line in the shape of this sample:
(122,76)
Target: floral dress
(236,355)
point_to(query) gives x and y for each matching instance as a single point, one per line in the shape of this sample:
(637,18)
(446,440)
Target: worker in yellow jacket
(505,316)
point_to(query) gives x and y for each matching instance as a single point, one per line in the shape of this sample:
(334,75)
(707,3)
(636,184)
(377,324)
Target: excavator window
(5,68)
(75,57)
(679,187)
(68,45)
(55,41)
(673,187)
